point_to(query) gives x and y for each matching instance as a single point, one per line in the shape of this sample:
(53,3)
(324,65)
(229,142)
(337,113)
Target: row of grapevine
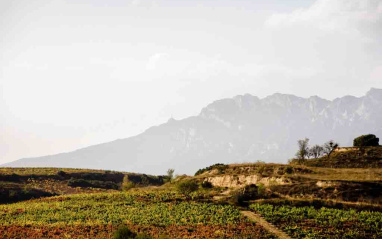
(310,222)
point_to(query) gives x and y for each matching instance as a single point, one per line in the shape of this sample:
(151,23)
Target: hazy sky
(79,72)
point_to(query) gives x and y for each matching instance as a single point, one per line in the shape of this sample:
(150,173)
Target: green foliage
(186,187)
(170,174)
(261,169)
(302,222)
(127,184)
(15,194)
(123,232)
(206,184)
(62,174)
(219,166)
(366,140)
(249,192)
(261,190)
(139,208)
(92,184)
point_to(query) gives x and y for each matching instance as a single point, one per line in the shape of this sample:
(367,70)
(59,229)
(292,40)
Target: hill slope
(239,129)
(368,157)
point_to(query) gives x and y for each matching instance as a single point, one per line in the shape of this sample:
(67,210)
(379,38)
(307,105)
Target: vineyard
(308,222)
(81,203)
(152,212)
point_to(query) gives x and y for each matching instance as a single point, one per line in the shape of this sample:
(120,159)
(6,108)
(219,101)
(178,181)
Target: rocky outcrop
(235,181)
(327,184)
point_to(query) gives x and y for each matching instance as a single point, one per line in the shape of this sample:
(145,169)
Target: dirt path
(256,218)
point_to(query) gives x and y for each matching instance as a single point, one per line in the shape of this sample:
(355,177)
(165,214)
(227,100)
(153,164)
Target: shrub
(288,170)
(187,187)
(127,184)
(8,195)
(297,162)
(366,140)
(206,184)
(261,169)
(249,192)
(123,232)
(145,180)
(92,184)
(261,190)
(219,166)
(62,173)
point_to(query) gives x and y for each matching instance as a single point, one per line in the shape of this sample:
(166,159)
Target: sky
(74,73)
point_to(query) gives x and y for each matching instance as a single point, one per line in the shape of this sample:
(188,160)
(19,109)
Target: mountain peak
(374,92)
(241,128)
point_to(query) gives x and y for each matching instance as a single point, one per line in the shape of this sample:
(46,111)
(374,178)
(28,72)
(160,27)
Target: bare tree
(329,147)
(316,151)
(303,149)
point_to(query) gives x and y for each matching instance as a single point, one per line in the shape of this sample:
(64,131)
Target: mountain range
(244,128)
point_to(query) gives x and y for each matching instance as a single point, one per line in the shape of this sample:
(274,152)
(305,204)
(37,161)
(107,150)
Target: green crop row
(159,209)
(302,222)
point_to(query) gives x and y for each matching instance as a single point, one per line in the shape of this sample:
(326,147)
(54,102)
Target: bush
(127,184)
(10,195)
(187,187)
(92,184)
(297,161)
(62,174)
(207,184)
(261,190)
(123,232)
(249,192)
(219,166)
(366,140)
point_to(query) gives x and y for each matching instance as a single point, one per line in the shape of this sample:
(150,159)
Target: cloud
(349,16)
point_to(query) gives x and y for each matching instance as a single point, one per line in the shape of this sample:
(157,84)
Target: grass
(345,174)
(365,157)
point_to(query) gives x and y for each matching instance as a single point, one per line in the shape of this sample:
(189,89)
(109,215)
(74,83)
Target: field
(160,213)
(310,222)
(18,184)
(304,202)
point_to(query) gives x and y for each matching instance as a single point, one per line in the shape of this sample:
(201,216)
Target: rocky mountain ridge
(244,128)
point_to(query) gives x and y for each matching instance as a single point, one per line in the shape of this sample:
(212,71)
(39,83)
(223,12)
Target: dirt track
(261,221)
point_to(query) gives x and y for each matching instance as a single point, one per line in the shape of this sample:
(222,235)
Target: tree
(187,187)
(170,173)
(316,151)
(303,149)
(329,147)
(366,140)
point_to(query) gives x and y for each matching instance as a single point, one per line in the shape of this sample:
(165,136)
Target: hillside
(343,184)
(367,157)
(244,128)
(254,200)
(18,184)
